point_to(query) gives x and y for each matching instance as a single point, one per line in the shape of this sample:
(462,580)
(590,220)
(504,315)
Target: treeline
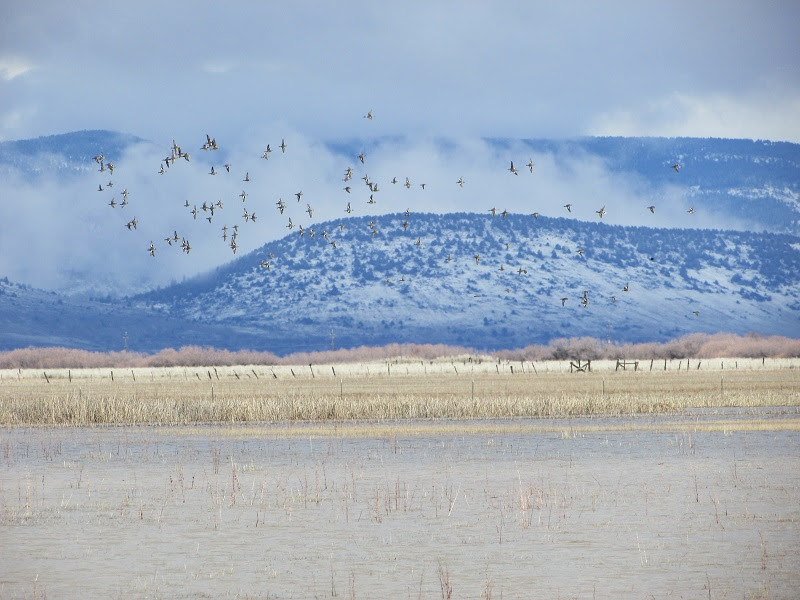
(696,345)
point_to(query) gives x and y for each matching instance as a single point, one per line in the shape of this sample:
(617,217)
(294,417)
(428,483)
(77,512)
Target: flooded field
(702,504)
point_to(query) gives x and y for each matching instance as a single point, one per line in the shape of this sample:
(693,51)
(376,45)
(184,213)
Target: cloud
(521,69)
(12,67)
(218,66)
(769,116)
(13,120)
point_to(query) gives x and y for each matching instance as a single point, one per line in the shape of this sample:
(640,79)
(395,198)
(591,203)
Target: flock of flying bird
(230,234)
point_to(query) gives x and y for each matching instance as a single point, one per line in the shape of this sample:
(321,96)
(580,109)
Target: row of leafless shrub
(696,345)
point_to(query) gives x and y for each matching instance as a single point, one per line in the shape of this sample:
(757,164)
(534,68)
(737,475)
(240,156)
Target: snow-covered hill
(424,284)
(495,282)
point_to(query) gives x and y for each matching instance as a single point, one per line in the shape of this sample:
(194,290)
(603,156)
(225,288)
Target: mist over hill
(63,154)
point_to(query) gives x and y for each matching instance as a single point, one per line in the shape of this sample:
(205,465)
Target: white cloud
(769,116)
(15,120)
(218,66)
(12,67)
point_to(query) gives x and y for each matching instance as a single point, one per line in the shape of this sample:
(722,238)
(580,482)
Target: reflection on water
(583,509)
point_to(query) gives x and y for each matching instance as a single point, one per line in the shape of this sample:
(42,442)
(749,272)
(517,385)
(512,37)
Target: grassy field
(466,388)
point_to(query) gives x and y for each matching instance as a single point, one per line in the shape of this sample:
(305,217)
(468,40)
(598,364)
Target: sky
(160,70)
(252,73)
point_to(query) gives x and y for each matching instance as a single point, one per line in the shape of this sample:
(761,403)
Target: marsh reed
(384,391)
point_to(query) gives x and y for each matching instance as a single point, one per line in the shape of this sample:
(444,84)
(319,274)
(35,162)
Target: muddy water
(591,511)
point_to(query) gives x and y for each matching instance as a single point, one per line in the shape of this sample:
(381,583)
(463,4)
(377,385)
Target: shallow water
(244,512)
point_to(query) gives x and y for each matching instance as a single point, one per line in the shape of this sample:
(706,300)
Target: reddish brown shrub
(695,345)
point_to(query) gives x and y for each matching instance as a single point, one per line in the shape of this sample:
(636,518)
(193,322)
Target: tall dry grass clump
(176,396)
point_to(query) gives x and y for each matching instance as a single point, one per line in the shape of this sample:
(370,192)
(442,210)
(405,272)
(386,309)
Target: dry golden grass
(460,389)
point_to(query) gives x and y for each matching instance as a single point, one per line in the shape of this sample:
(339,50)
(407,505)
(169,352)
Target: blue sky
(520,68)
(251,73)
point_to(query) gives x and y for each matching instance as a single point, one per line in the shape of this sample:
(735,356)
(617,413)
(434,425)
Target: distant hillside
(31,317)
